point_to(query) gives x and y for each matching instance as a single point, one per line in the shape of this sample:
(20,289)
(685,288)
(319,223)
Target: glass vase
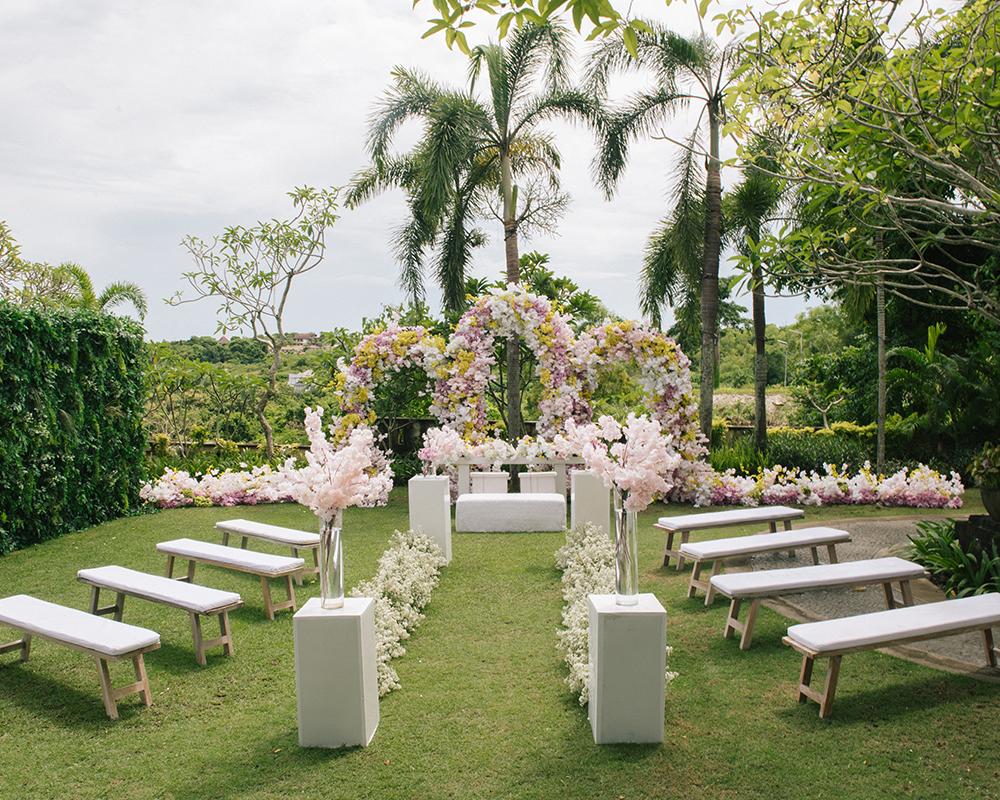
(626,553)
(331,565)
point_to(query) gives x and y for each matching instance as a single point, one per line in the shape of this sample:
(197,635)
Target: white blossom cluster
(407,574)
(587,561)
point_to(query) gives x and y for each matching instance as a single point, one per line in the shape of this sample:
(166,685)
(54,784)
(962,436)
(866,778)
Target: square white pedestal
(590,501)
(538,483)
(336,676)
(628,664)
(489,482)
(430,509)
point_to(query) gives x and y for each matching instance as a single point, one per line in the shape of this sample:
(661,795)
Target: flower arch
(458,397)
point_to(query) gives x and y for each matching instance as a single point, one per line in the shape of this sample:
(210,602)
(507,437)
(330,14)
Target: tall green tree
(685,70)
(474,152)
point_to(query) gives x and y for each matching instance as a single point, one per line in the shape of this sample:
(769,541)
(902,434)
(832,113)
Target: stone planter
(991,499)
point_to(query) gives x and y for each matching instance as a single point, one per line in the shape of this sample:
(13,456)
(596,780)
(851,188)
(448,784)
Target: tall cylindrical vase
(331,564)
(626,553)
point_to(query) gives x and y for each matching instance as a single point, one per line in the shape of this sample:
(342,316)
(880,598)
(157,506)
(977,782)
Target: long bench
(196,600)
(685,523)
(286,537)
(835,638)
(758,586)
(483,513)
(263,565)
(717,550)
(104,639)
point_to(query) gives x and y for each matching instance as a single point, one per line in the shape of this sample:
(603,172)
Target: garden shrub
(71,404)
(959,571)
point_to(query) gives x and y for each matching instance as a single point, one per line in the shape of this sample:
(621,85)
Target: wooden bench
(717,550)
(263,565)
(686,523)
(484,513)
(834,638)
(285,537)
(758,586)
(104,639)
(196,600)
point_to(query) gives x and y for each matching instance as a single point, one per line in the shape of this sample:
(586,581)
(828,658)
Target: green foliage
(985,467)
(71,394)
(958,571)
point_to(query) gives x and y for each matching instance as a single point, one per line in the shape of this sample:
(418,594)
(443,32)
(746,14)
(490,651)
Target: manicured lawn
(483,710)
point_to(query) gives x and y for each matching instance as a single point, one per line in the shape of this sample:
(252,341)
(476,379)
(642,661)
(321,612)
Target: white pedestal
(430,509)
(489,482)
(628,664)
(590,501)
(537,482)
(336,677)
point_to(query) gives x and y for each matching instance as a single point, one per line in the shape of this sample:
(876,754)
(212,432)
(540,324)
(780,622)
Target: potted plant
(985,470)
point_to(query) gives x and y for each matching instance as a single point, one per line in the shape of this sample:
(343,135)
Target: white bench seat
(484,513)
(295,540)
(196,600)
(685,523)
(104,639)
(717,550)
(834,638)
(758,586)
(263,565)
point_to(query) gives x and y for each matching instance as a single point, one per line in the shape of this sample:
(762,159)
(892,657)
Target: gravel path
(872,538)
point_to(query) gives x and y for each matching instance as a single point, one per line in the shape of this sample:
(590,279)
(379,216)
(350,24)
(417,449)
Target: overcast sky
(126,126)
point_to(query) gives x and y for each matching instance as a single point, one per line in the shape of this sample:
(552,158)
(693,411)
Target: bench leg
(118,609)
(788,527)
(201,645)
(831,550)
(991,654)
(746,628)
(23,644)
(111,695)
(733,621)
(906,592)
(824,698)
(269,607)
(709,588)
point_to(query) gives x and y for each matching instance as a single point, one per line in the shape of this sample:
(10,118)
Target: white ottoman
(501,513)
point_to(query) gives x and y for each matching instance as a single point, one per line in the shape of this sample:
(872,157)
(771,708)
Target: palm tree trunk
(759,362)
(514,342)
(710,274)
(880,314)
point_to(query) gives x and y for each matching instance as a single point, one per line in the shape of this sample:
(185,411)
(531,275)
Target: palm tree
(77,290)
(471,152)
(685,70)
(746,209)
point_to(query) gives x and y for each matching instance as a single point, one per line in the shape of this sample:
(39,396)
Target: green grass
(483,710)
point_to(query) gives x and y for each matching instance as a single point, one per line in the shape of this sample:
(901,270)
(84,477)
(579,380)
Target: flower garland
(407,574)
(228,488)
(587,564)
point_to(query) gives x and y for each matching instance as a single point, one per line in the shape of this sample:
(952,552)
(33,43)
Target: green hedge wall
(71,437)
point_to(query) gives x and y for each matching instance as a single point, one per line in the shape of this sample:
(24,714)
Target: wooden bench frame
(686,523)
(199,558)
(887,574)
(224,639)
(109,694)
(759,544)
(809,655)
(291,538)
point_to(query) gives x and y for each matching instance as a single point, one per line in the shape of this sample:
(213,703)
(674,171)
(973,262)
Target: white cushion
(200,599)
(270,533)
(482,513)
(735,516)
(897,624)
(763,543)
(765,583)
(231,556)
(75,627)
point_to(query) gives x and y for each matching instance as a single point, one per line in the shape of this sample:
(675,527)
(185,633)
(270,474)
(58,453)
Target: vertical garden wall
(71,438)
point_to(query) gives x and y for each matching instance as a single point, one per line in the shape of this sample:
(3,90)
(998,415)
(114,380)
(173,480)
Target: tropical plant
(958,571)
(250,271)
(685,70)
(472,151)
(985,467)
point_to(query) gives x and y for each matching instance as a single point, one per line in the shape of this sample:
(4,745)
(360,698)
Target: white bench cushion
(482,513)
(762,543)
(767,583)
(74,627)
(200,599)
(270,533)
(233,556)
(898,624)
(736,516)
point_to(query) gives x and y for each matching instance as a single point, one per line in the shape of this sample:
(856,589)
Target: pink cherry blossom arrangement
(633,458)
(333,479)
